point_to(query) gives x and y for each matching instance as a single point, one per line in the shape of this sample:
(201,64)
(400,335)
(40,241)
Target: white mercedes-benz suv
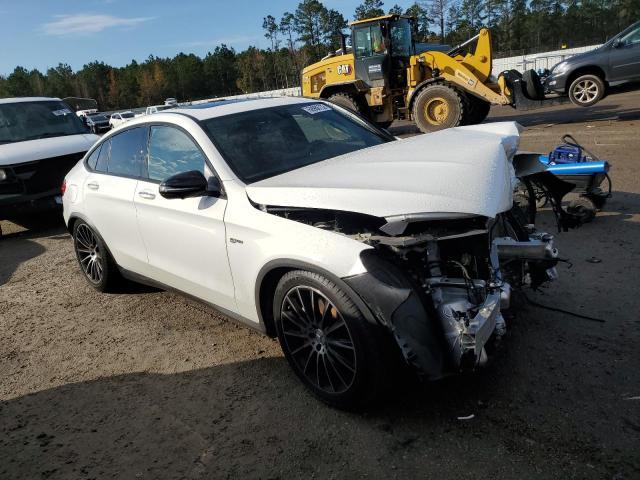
(360,252)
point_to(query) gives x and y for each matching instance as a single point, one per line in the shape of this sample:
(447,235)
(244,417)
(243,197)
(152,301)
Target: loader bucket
(518,93)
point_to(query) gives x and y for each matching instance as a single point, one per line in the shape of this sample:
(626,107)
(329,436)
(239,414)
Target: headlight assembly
(3,175)
(560,68)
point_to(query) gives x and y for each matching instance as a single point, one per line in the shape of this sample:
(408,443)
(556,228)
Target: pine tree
(369,9)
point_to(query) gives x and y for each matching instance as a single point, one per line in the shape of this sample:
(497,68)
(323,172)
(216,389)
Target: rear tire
(437,107)
(350,102)
(477,111)
(586,90)
(94,259)
(337,354)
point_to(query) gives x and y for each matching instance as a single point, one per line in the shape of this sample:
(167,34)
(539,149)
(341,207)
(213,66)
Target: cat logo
(345,69)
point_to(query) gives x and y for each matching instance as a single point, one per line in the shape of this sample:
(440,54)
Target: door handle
(93,185)
(147,195)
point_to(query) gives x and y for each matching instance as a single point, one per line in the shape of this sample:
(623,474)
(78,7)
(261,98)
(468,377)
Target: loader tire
(477,111)
(350,102)
(437,107)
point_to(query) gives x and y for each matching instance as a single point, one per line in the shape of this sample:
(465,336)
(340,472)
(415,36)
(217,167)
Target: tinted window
(128,150)
(21,121)
(263,143)
(127,115)
(103,159)
(632,37)
(172,151)
(93,158)
(401,38)
(362,42)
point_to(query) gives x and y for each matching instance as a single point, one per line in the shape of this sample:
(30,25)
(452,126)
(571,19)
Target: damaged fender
(394,302)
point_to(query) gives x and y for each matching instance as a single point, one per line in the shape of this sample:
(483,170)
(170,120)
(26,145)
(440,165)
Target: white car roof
(28,99)
(219,108)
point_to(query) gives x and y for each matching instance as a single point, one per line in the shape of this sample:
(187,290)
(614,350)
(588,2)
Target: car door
(108,196)
(624,57)
(185,238)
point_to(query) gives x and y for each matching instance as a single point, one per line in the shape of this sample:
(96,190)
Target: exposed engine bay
(440,284)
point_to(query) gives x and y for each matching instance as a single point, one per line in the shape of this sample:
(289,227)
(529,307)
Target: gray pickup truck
(585,77)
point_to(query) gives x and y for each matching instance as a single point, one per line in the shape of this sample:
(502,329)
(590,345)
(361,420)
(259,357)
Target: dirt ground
(147,384)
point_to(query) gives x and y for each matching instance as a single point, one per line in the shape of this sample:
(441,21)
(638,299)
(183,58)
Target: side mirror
(189,184)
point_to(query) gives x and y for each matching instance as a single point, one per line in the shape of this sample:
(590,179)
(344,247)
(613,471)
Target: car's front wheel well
(588,70)
(265,297)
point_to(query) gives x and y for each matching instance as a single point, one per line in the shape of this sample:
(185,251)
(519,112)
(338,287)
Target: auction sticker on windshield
(63,111)
(316,108)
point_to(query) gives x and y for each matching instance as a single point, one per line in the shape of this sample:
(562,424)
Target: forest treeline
(306,34)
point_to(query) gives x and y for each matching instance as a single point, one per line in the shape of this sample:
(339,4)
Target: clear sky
(42,33)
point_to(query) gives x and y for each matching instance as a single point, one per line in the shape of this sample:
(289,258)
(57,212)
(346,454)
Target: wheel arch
(75,218)
(271,273)
(586,70)
(355,87)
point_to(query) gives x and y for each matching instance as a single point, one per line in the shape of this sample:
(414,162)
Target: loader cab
(382,48)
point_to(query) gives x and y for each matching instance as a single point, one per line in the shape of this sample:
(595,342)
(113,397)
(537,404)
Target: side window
(128,150)
(93,158)
(632,38)
(172,151)
(362,42)
(103,159)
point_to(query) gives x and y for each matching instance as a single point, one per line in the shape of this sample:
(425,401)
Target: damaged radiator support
(469,310)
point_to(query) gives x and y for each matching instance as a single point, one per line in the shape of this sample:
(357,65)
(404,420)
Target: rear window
(22,121)
(263,143)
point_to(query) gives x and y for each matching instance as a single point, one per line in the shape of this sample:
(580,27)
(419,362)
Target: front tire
(94,259)
(334,351)
(586,90)
(437,107)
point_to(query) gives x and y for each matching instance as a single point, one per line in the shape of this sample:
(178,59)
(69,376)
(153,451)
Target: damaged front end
(440,285)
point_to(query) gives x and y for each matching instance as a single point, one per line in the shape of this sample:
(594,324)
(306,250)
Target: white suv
(302,220)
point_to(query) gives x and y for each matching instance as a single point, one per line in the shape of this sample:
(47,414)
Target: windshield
(164,107)
(98,118)
(127,115)
(22,121)
(264,143)
(401,38)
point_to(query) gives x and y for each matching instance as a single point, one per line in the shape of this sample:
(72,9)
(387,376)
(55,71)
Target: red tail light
(63,187)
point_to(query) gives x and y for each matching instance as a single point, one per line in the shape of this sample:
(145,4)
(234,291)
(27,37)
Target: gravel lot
(147,384)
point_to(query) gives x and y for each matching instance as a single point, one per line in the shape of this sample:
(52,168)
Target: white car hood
(464,170)
(21,152)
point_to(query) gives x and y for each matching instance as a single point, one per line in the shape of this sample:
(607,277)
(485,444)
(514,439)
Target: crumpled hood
(21,152)
(464,170)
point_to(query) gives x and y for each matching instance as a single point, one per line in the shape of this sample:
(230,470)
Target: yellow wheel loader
(383,78)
